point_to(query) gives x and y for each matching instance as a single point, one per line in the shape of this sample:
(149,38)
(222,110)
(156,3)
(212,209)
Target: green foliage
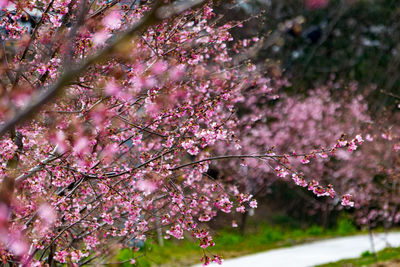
(153,254)
(228,238)
(366,254)
(345,227)
(315,230)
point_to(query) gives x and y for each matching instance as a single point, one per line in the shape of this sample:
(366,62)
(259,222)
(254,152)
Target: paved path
(314,253)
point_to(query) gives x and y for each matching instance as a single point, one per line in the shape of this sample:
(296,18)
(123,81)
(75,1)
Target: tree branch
(225,157)
(53,156)
(157,13)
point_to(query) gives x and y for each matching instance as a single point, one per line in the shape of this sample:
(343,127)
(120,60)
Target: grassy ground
(230,243)
(386,257)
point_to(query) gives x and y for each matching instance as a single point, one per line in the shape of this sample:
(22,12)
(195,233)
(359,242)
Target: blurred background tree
(350,49)
(315,41)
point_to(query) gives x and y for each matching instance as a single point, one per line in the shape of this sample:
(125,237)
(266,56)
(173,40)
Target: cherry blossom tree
(307,41)
(293,124)
(375,177)
(110,113)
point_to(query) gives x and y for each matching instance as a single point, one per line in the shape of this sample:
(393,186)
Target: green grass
(230,243)
(367,259)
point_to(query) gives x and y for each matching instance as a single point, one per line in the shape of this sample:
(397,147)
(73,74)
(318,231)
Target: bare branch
(53,156)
